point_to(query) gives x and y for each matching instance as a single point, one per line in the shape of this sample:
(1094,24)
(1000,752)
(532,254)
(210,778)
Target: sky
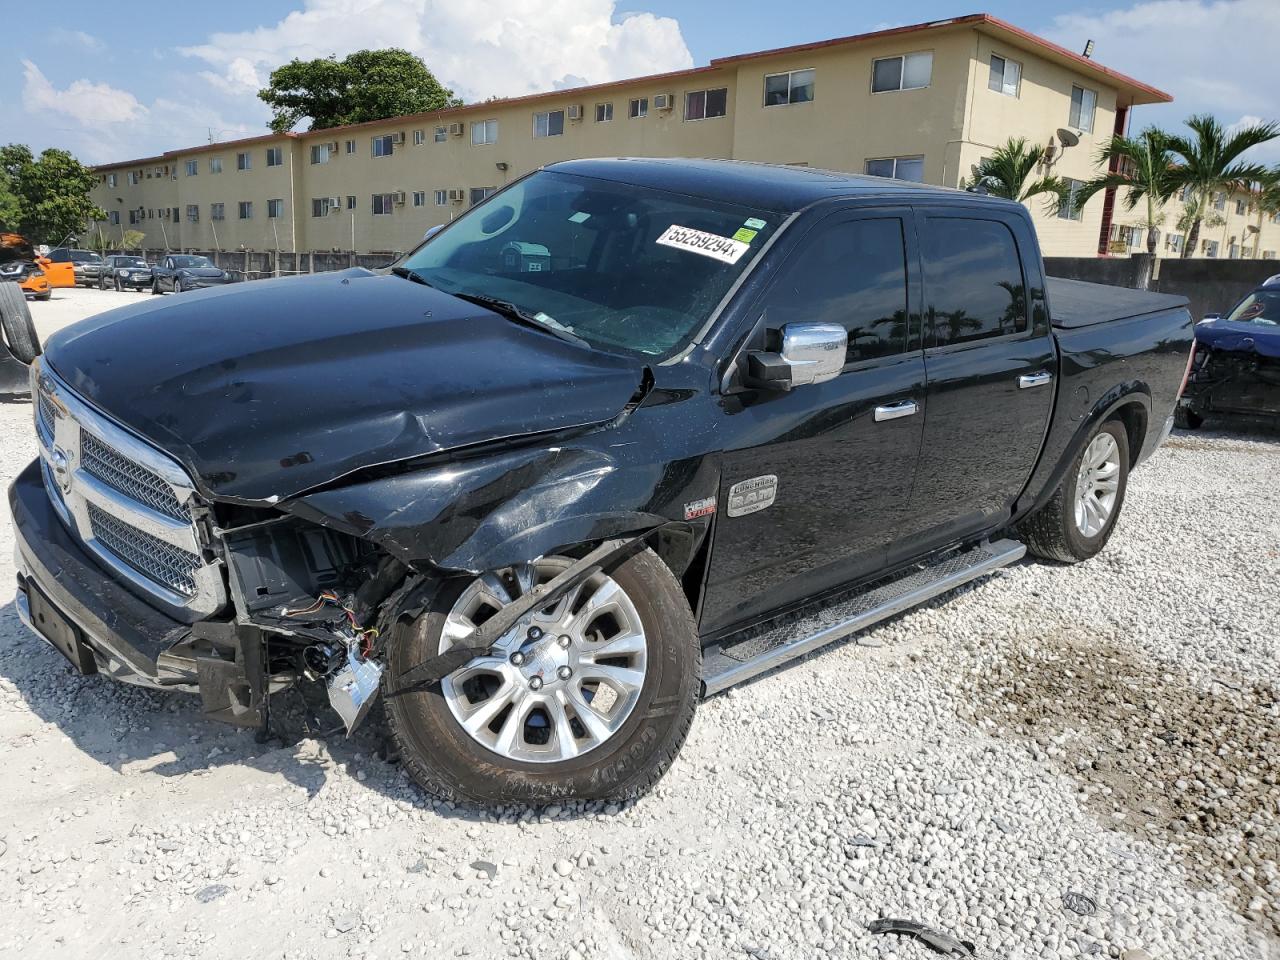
(173,74)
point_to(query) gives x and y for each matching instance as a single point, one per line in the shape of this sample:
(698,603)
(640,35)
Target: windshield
(191,262)
(84,256)
(1261,306)
(130,262)
(626,268)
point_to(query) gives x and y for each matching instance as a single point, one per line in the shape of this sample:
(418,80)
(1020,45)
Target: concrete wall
(1212,286)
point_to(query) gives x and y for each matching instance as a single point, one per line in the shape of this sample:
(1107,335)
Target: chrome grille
(130,505)
(129,477)
(162,562)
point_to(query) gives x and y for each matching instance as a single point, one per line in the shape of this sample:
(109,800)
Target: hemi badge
(700,508)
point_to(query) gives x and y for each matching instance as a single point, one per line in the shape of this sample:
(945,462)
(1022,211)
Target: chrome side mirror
(807,353)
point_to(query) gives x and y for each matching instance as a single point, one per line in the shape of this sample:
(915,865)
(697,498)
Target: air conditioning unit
(575,111)
(333,146)
(397,138)
(455,129)
(335,204)
(398,198)
(664,101)
(457,196)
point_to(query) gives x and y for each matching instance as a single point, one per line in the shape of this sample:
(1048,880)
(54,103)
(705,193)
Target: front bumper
(101,627)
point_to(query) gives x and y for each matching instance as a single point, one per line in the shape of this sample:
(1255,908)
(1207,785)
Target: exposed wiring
(364,634)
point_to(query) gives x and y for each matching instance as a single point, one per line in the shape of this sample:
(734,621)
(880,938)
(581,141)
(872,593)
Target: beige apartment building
(1234,228)
(924,102)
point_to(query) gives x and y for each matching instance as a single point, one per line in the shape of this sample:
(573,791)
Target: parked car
(58,267)
(18,265)
(1236,368)
(180,272)
(591,453)
(125,272)
(86,266)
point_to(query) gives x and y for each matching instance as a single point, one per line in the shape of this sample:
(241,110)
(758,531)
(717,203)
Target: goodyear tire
(1078,520)
(498,732)
(15,320)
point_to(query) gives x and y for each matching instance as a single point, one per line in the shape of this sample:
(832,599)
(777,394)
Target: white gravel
(966,770)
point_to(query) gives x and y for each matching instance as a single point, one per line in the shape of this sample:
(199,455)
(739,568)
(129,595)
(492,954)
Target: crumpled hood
(1240,336)
(266,389)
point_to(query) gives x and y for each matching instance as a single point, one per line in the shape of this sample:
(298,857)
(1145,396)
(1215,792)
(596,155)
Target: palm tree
(1210,162)
(1141,166)
(1007,173)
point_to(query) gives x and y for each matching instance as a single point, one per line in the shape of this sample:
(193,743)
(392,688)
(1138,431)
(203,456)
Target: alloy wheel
(1097,484)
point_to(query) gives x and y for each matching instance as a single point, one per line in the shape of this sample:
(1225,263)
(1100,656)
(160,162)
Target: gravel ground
(1099,737)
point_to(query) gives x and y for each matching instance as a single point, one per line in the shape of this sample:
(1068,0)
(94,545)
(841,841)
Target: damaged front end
(1233,379)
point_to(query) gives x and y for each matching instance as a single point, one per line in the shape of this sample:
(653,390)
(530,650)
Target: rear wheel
(1187,419)
(590,698)
(15,321)
(1077,521)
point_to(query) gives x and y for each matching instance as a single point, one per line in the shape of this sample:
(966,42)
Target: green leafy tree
(1209,163)
(1143,170)
(1009,173)
(51,193)
(365,85)
(10,210)
(98,241)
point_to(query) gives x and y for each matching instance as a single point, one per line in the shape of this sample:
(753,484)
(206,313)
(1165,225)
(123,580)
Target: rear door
(815,480)
(990,362)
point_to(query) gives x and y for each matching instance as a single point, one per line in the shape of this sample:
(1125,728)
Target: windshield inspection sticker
(745,235)
(755,223)
(706,244)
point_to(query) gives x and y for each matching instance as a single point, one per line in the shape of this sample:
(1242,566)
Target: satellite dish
(1067,138)
(974,171)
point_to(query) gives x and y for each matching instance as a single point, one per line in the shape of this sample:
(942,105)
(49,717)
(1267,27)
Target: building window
(793,87)
(639,108)
(604,112)
(419,198)
(909,72)
(133,216)
(111,180)
(320,153)
(485,131)
(275,157)
(1173,241)
(243,162)
(193,213)
(419,137)
(1219,201)
(246,209)
(441,134)
(215,164)
(1005,76)
(479,193)
(113,217)
(133,178)
(351,202)
(1211,248)
(442,197)
(1241,206)
(382,146)
(1069,208)
(897,168)
(319,206)
(549,124)
(705,104)
(1233,250)
(193,167)
(217,211)
(275,209)
(383,204)
(1083,104)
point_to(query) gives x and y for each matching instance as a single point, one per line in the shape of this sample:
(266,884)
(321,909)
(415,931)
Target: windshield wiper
(511,311)
(410,274)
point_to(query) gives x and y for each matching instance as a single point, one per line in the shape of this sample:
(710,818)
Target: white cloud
(477,49)
(76,37)
(1213,56)
(88,103)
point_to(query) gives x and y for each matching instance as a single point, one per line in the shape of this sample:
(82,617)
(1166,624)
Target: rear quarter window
(974,287)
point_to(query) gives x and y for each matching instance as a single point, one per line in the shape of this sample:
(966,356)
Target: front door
(991,365)
(815,481)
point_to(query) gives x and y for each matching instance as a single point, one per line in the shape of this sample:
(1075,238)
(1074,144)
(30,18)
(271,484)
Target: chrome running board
(745,655)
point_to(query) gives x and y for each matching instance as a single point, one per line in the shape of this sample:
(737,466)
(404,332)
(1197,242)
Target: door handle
(1037,379)
(896,411)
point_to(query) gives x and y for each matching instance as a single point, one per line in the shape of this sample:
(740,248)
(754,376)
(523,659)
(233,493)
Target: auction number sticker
(711,245)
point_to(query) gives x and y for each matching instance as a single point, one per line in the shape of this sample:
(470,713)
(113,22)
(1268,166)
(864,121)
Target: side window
(972,281)
(853,273)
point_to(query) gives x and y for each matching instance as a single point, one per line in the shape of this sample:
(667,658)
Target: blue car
(1236,367)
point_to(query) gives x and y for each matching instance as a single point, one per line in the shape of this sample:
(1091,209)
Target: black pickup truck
(587,455)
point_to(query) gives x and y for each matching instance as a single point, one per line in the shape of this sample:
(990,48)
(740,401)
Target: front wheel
(1077,521)
(155,288)
(588,699)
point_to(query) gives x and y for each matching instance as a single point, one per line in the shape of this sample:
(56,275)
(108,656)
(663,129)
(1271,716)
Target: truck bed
(1077,303)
